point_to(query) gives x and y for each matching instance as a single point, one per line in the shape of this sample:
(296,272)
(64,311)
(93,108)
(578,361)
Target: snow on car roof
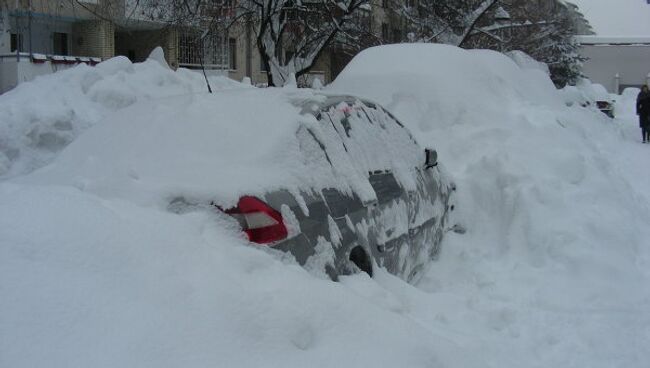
(207,147)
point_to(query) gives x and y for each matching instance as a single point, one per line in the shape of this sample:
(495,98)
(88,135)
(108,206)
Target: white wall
(13,72)
(8,74)
(631,62)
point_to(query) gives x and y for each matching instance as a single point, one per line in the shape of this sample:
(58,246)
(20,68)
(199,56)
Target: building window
(60,43)
(16,42)
(232,50)
(209,50)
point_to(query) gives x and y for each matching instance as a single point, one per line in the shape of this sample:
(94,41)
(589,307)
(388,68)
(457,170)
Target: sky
(617,17)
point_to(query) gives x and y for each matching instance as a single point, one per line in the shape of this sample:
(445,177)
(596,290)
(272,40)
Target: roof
(615,40)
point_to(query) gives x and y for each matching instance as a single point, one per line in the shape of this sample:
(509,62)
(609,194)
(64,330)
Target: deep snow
(553,270)
(39,119)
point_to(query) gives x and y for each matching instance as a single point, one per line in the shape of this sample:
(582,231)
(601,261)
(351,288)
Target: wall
(93,38)
(72,10)
(143,42)
(41,33)
(631,62)
(13,72)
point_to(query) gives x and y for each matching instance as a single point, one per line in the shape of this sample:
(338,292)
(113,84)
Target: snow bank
(104,283)
(219,147)
(553,270)
(440,84)
(39,118)
(525,61)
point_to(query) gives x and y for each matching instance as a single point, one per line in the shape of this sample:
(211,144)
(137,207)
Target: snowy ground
(553,270)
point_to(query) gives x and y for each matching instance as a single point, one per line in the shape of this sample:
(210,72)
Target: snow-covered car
(334,180)
(606,106)
(590,95)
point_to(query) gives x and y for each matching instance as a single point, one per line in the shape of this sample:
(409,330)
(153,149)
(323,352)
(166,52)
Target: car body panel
(399,226)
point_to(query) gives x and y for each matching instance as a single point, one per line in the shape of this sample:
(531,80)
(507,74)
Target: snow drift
(555,262)
(553,270)
(39,118)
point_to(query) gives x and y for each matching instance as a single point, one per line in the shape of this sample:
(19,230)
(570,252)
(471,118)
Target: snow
(37,120)
(203,148)
(616,18)
(552,270)
(619,40)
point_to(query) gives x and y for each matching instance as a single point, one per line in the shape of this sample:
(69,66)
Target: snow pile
(39,118)
(525,61)
(554,268)
(552,272)
(459,85)
(626,103)
(218,147)
(585,94)
(91,282)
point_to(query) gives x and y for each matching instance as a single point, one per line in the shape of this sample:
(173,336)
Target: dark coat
(643,108)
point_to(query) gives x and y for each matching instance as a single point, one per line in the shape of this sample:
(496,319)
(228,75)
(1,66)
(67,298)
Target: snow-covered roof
(617,18)
(620,40)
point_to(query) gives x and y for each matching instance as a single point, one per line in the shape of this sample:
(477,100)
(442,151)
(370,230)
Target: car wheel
(359,257)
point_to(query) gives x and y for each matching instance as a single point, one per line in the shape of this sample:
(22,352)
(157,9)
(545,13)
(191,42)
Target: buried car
(334,180)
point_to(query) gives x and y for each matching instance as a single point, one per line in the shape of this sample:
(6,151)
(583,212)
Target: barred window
(212,49)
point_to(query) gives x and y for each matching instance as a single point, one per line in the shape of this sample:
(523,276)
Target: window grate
(212,49)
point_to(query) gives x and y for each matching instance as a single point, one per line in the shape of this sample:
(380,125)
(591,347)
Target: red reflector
(261,223)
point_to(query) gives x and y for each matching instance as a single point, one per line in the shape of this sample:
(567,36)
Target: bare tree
(447,21)
(290,35)
(543,30)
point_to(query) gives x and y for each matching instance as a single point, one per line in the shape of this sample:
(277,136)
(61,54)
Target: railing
(54,59)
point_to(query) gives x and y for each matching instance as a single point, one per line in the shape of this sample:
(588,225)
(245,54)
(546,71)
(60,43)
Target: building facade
(616,62)
(43,36)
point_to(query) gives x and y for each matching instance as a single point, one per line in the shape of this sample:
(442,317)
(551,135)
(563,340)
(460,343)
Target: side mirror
(431,158)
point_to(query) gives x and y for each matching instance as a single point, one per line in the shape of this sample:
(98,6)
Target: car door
(381,223)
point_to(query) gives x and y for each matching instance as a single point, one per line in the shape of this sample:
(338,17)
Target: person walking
(643,110)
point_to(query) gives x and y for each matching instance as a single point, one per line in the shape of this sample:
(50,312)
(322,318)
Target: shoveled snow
(553,270)
(39,118)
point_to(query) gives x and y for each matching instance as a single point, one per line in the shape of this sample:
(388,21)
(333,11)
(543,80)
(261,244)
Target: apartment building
(43,36)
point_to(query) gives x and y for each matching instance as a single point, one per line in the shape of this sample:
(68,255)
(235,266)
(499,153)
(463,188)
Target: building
(618,48)
(43,36)
(616,62)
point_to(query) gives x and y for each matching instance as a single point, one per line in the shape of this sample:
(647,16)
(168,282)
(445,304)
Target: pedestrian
(643,110)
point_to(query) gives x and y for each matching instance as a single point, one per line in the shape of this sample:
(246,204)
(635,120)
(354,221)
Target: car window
(385,186)
(341,204)
(313,151)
